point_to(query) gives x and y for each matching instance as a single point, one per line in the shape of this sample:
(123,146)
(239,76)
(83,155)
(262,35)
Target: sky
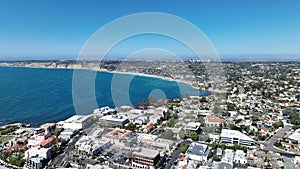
(58,29)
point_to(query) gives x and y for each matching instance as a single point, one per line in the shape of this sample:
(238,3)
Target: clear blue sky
(59,28)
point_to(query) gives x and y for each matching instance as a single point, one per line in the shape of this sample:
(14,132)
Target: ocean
(38,95)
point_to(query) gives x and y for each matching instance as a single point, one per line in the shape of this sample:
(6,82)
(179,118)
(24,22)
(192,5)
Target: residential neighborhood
(254,124)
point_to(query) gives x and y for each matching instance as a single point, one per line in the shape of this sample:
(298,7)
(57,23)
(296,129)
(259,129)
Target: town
(253,124)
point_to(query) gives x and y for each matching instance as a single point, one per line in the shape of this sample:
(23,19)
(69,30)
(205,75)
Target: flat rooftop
(114,118)
(77,118)
(234,134)
(145,152)
(146,137)
(193,125)
(198,149)
(118,134)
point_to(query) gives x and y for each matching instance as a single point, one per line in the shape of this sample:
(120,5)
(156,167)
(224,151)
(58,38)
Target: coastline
(94,70)
(107,71)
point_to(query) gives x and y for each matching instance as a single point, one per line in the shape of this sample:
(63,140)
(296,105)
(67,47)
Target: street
(269,144)
(176,153)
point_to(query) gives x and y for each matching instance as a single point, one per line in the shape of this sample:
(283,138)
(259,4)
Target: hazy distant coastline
(108,66)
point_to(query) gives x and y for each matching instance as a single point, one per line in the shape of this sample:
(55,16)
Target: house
(212,120)
(198,152)
(192,127)
(295,137)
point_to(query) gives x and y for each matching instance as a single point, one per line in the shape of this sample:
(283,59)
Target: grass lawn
(5,138)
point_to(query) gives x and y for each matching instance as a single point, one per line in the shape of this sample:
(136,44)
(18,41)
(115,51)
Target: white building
(227,159)
(102,111)
(92,146)
(214,137)
(77,122)
(240,157)
(155,119)
(114,120)
(198,152)
(38,152)
(67,134)
(295,137)
(235,137)
(192,127)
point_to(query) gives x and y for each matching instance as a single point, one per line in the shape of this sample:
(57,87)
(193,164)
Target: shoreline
(118,72)
(97,70)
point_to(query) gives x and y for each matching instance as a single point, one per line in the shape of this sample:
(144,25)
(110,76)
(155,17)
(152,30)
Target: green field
(5,138)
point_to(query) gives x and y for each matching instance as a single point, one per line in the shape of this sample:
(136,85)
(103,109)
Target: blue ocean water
(36,95)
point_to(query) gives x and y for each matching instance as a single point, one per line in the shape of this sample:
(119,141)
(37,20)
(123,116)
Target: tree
(167,115)
(206,139)
(279,145)
(295,127)
(184,148)
(16,161)
(202,124)
(203,99)
(214,145)
(231,106)
(216,158)
(181,134)
(194,136)
(225,124)
(170,124)
(130,126)
(255,118)
(234,127)
(278,124)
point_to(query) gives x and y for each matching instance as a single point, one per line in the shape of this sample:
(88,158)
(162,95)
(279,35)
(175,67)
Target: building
(38,152)
(114,120)
(34,163)
(77,122)
(227,159)
(97,166)
(214,137)
(240,157)
(47,142)
(295,137)
(102,111)
(90,146)
(121,137)
(198,152)
(145,158)
(212,120)
(68,134)
(192,127)
(235,137)
(153,142)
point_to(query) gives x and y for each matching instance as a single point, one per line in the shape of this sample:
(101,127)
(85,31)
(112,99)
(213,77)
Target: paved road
(269,145)
(176,153)
(63,159)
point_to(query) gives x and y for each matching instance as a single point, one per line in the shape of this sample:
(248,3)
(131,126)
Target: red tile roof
(47,141)
(213,119)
